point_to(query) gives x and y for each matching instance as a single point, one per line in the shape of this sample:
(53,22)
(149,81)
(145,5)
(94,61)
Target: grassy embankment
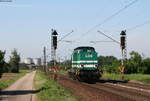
(52,91)
(11,78)
(139,77)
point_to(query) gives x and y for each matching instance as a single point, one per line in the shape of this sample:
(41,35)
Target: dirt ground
(7,76)
(106,91)
(21,90)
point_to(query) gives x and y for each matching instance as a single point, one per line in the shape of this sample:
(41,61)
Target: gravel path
(21,90)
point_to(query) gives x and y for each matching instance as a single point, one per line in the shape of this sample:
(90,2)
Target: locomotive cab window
(89,51)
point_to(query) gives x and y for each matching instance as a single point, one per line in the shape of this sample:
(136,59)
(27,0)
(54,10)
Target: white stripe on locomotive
(79,66)
(84,61)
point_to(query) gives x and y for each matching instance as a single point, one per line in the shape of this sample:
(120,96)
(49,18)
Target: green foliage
(23,66)
(52,91)
(2,62)
(135,64)
(6,68)
(108,64)
(65,65)
(51,63)
(14,61)
(106,60)
(146,65)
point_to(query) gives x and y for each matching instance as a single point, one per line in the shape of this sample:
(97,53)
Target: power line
(65,36)
(94,42)
(67,41)
(108,37)
(137,26)
(113,15)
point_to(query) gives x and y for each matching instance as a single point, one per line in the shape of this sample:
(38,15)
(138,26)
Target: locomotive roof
(84,47)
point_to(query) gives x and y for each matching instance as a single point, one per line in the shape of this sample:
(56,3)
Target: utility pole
(44,61)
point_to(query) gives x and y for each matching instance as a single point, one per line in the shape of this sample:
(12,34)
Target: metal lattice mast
(53,46)
(44,61)
(125,50)
(123,45)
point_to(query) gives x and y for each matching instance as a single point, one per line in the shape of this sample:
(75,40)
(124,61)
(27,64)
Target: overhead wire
(94,42)
(65,36)
(104,21)
(102,33)
(137,26)
(112,16)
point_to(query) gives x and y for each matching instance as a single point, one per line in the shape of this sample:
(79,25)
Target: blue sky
(26,25)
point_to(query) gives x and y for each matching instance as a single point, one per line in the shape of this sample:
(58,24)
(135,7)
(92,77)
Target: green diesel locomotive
(84,64)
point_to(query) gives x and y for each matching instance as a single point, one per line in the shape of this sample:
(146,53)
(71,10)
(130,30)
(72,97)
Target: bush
(2,62)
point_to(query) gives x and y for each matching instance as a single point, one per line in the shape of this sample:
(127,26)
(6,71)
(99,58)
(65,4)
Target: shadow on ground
(21,92)
(106,81)
(112,81)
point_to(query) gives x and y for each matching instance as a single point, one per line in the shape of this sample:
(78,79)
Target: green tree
(134,64)
(106,60)
(136,58)
(23,66)
(2,62)
(108,64)
(14,61)
(6,67)
(146,64)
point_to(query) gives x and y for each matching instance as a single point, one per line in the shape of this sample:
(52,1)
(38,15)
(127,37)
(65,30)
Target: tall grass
(52,91)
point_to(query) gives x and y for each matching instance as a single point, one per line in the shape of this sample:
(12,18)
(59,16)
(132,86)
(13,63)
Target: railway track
(106,91)
(127,92)
(137,85)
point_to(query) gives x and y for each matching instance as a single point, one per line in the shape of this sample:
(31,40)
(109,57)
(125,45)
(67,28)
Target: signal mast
(123,45)
(53,46)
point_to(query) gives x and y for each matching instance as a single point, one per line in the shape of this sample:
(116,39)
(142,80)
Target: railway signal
(123,51)
(123,39)
(53,46)
(54,38)
(123,46)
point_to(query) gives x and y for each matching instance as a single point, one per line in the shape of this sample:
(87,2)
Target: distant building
(28,61)
(33,63)
(37,61)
